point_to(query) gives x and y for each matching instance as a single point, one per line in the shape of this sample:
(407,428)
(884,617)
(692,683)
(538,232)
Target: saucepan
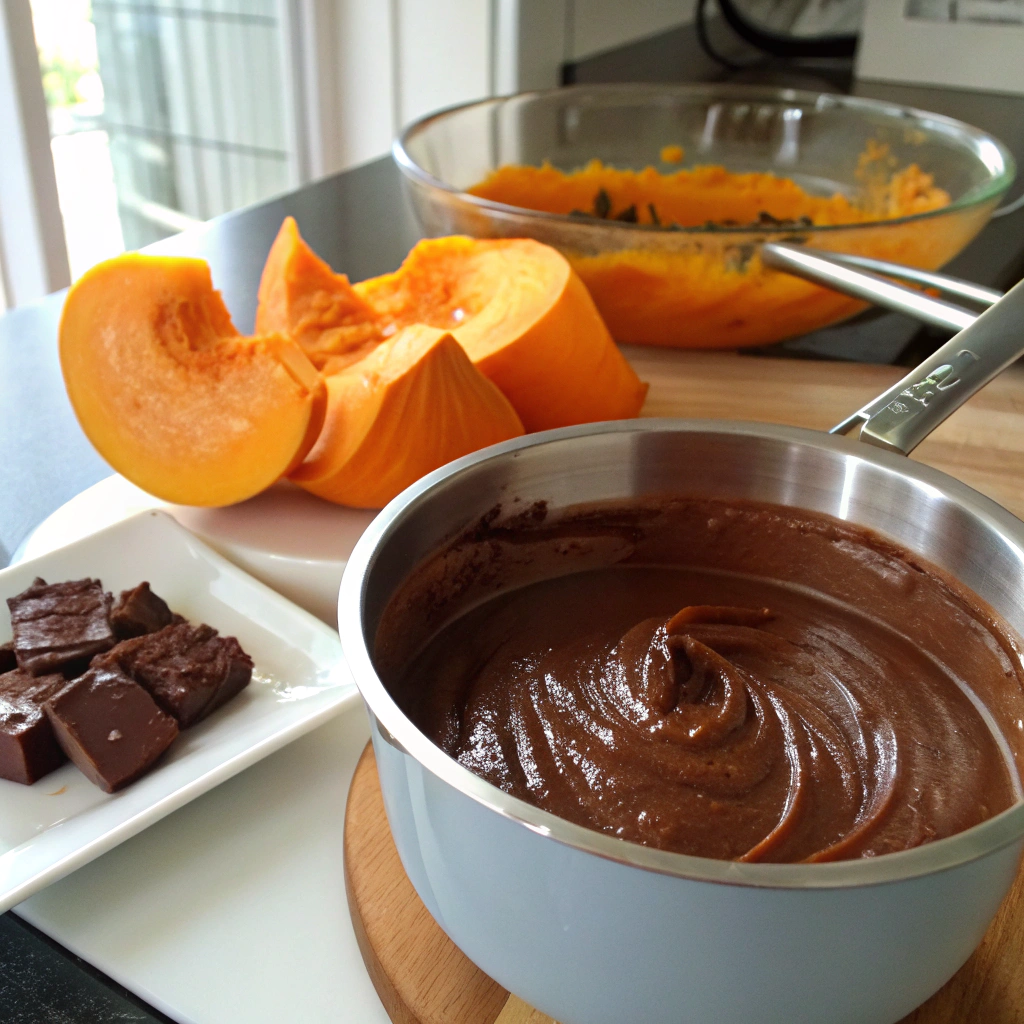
(594,930)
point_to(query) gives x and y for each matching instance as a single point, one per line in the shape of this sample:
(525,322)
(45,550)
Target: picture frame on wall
(963,44)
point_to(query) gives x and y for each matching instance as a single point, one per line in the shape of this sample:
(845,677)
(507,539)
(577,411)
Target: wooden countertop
(981,444)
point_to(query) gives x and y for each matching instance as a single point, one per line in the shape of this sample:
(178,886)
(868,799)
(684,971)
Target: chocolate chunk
(8,662)
(60,626)
(110,727)
(28,746)
(189,670)
(139,611)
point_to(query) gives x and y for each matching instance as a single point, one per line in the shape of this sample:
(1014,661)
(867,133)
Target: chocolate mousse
(729,680)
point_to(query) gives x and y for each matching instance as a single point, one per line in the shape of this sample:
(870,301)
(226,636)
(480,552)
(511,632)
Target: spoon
(861,277)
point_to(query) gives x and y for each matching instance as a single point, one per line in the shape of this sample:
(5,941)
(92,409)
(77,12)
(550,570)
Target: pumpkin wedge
(415,403)
(302,298)
(171,395)
(516,306)
(524,318)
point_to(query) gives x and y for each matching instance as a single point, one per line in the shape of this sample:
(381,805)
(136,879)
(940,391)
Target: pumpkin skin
(171,395)
(415,403)
(516,306)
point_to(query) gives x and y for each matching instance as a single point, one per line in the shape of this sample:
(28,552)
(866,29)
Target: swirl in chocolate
(734,715)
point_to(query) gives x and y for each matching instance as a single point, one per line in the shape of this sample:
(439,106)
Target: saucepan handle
(901,418)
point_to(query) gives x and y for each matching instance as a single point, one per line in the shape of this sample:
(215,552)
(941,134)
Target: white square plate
(300,680)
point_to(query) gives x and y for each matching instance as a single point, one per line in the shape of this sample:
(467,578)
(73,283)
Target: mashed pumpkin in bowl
(660,196)
(716,292)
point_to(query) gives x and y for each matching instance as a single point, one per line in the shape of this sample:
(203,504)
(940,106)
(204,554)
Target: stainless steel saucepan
(594,930)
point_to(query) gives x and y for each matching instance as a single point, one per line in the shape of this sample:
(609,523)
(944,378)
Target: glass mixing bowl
(695,287)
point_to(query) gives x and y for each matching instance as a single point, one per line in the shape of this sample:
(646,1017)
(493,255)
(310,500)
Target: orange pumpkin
(516,306)
(415,403)
(171,395)
(301,297)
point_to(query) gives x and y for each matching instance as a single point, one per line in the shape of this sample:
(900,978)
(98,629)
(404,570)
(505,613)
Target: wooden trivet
(423,978)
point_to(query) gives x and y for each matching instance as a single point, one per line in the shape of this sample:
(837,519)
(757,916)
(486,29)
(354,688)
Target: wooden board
(981,444)
(423,978)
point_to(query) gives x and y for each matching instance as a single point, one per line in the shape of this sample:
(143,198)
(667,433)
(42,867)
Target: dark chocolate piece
(60,626)
(8,662)
(139,611)
(28,746)
(110,727)
(189,670)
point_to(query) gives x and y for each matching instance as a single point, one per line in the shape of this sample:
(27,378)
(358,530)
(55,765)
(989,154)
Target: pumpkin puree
(709,289)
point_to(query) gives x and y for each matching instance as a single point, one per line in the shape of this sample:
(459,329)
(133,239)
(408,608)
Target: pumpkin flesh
(171,395)
(523,316)
(303,299)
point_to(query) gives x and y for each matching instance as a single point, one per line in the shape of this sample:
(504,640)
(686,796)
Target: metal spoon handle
(929,278)
(910,410)
(823,269)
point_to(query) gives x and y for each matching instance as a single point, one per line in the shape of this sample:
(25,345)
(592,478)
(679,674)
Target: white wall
(395,60)
(442,52)
(33,260)
(364,83)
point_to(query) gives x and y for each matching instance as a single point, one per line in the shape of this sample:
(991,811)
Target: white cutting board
(231,910)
